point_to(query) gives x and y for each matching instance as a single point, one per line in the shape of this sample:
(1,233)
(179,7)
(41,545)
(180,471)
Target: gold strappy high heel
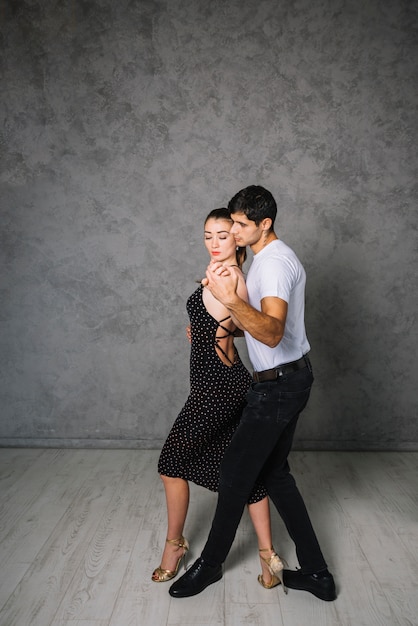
(160,575)
(273,583)
(275,565)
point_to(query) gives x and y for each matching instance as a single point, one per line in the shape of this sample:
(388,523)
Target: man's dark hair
(255,202)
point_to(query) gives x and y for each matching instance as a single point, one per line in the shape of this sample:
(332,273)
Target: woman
(201,433)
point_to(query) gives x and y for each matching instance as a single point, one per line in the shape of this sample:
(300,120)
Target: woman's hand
(189,333)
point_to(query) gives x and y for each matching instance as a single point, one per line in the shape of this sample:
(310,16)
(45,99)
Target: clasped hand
(222,282)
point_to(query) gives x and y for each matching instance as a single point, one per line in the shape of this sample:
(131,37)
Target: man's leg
(281,486)
(284,493)
(245,457)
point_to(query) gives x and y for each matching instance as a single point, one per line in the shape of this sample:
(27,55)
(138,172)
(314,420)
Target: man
(274,328)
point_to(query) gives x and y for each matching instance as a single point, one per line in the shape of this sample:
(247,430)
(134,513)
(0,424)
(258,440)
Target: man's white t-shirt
(276,271)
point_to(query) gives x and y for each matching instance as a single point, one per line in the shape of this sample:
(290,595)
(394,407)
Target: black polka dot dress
(202,431)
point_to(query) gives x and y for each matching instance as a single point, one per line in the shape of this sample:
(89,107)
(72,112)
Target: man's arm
(266,325)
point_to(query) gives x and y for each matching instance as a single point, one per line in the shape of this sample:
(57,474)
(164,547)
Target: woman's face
(219,241)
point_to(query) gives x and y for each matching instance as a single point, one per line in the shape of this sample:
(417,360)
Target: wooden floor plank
(80,622)
(15,462)
(249,614)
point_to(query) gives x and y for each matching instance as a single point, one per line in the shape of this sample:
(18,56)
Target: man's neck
(264,241)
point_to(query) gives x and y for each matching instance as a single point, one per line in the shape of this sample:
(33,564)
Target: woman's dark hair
(223,214)
(256,203)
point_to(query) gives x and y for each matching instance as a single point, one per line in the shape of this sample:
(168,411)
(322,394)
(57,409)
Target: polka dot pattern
(202,431)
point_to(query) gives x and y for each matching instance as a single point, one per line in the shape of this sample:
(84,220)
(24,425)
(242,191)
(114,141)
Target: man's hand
(222,282)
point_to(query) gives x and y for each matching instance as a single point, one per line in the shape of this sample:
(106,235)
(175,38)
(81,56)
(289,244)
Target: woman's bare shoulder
(215,308)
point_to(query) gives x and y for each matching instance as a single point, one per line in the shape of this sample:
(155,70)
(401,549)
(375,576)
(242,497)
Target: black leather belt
(286,368)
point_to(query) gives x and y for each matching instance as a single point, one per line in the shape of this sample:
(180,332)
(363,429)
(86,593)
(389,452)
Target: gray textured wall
(123,124)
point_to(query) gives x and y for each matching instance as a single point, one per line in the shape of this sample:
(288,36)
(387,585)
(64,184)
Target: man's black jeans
(260,447)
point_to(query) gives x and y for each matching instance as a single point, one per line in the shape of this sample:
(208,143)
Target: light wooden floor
(82,530)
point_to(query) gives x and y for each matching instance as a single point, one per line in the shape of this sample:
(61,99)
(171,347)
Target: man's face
(245,231)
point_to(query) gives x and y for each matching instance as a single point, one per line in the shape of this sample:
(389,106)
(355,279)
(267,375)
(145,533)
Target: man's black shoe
(320,584)
(199,576)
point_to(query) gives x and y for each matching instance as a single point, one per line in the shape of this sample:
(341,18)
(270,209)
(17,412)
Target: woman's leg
(260,516)
(177,499)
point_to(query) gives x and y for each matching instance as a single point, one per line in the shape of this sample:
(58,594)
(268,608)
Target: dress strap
(217,337)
